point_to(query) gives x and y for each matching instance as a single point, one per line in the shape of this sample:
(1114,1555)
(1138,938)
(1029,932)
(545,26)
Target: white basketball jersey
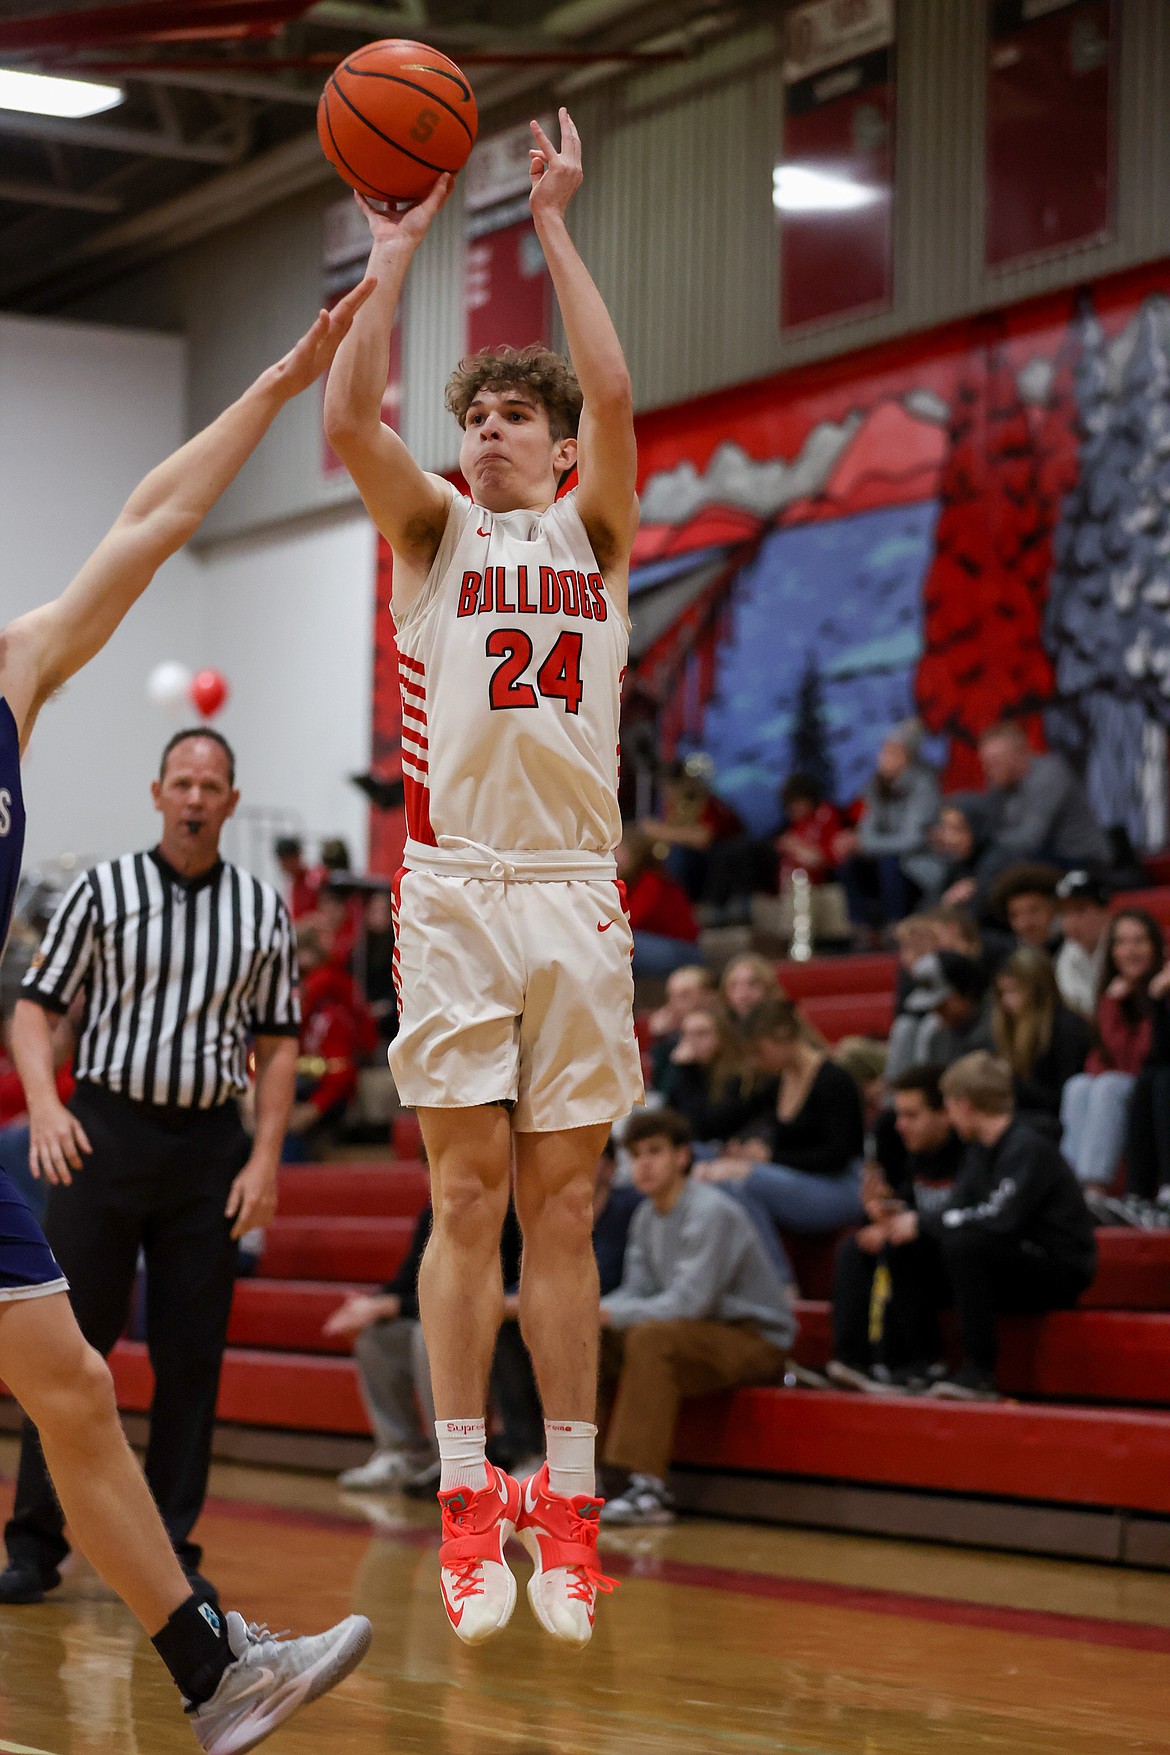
(511,661)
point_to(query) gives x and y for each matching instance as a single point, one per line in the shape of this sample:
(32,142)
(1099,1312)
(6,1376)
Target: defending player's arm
(408,505)
(41,650)
(607,453)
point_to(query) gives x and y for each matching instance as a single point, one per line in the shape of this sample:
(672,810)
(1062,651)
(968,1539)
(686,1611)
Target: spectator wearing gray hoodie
(701,1307)
(886,863)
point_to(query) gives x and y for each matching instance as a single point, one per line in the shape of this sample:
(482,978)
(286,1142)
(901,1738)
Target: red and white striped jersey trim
(416,783)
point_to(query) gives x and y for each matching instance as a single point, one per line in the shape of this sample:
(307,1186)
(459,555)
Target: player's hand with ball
(405,226)
(556,176)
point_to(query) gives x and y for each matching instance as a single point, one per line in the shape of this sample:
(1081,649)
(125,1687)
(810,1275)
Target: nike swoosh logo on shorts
(604,925)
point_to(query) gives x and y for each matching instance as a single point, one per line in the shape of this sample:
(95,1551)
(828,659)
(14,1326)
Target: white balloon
(169,685)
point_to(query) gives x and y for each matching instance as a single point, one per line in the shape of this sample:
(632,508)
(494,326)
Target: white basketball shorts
(515,992)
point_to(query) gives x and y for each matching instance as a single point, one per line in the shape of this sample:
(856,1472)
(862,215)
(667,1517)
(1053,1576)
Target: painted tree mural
(983,599)
(1108,621)
(810,732)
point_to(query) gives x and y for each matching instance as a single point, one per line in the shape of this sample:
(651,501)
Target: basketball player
(516,1041)
(238,1682)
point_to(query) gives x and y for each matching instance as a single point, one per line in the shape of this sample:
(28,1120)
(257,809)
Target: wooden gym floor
(722,1638)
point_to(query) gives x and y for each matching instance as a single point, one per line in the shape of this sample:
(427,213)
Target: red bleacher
(1095,1431)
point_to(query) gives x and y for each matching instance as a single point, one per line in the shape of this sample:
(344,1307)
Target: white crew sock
(462,1454)
(571,1465)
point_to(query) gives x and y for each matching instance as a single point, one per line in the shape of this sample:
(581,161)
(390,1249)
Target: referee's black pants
(157,1180)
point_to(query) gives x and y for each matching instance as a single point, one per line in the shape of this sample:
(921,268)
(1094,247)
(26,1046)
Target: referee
(185,964)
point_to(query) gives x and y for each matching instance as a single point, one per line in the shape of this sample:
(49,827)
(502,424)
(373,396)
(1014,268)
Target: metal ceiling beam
(132,140)
(53,195)
(143,21)
(287,170)
(245,85)
(348,15)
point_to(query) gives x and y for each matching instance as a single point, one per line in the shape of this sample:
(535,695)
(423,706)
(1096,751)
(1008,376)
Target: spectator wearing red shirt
(665,928)
(337,1031)
(301,884)
(812,826)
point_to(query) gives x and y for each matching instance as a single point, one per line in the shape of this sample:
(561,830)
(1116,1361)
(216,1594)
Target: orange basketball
(394,116)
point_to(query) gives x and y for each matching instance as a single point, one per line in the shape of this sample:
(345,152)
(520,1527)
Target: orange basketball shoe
(561,1536)
(479,1591)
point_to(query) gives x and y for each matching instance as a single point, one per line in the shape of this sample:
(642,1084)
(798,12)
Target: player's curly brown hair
(536,371)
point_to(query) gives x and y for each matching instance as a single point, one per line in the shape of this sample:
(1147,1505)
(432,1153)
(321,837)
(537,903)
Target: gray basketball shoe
(272,1678)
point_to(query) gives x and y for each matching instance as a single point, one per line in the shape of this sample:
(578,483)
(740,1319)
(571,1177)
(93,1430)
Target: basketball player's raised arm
(607,453)
(41,650)
(408,505)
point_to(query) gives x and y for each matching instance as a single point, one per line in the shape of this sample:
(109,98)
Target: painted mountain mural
(973,524)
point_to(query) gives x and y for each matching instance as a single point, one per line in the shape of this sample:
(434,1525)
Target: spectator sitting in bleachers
(886,863)
(885,1333)
(945,1015)
(1094,1109)
(301,882)
(373,964)
(864,1059)
(711,1082)
(1036,808)
(689,989)
(337,1031)
(1042,1040)
(1015,1234)
(958,930)
(701,1307)
(915,937)
(1024,896)
(959,843)
(1147,1146)
(665,929)
(805,1174)
(1082,903)
(694,822)
(394,1373)
(746,982)
(812,827)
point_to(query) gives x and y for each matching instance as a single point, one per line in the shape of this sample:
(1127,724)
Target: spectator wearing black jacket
(1043,1041)
(1015,1234)
(805,1173)
(885,1296)
(1147,1148)
(708,1080)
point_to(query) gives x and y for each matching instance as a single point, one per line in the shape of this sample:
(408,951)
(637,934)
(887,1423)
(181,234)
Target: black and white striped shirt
(178,974)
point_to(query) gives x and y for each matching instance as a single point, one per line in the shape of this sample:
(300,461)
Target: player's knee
(562,1221)
(79,1398)
(469,1211)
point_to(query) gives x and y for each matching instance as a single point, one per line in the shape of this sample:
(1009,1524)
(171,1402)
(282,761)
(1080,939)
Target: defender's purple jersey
(11,816)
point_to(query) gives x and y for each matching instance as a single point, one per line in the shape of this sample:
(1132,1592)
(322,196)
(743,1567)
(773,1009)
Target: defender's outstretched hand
(556,176)
(406,225)
(314,352)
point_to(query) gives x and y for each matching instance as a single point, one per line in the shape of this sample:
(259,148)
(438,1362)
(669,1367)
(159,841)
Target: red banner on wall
(508,291)
(833,188)
(1049,126)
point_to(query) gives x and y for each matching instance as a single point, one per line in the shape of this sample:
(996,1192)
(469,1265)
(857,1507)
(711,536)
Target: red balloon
(209,691)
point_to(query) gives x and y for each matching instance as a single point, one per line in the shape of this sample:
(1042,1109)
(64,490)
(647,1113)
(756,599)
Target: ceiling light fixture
(795,189)
(41,94)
